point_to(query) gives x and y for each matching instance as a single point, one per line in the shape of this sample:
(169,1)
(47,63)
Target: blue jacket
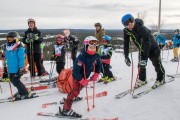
(160,39)
(176,40)
(15,57)
(88,60)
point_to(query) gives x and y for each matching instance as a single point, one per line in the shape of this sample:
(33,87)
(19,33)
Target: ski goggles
(104,40)
(126,23)
(93,42)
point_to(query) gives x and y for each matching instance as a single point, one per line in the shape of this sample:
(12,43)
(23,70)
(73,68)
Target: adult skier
(33,39)
(72,43)
(148,48)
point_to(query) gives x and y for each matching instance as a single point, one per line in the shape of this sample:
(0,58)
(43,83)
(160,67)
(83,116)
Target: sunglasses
(130,20)
(94,42)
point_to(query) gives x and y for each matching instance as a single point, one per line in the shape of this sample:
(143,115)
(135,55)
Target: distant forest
(80,34)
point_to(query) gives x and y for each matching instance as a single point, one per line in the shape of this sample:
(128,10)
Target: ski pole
(93,106)
(1,89)
(132,71)
(11,91)
(168,54)
(136,80)
(178,64)
(86,89)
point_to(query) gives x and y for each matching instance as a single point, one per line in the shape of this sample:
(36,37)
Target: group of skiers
(92,58)
(175,43)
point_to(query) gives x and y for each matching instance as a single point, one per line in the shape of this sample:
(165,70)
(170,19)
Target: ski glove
(143,63)
(21,71)
(36,37)
(27,40)
(94,77)
(127,61)
(52,58)
(84,82)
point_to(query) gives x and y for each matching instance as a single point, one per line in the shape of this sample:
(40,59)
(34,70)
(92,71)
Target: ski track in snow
(160,104)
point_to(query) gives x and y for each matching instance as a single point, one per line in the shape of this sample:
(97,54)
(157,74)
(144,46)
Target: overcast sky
(84,13)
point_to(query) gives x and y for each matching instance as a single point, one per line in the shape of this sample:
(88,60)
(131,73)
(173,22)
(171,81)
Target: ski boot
(140,83)
(158,83)
(108,80)
(103,79)
(75,99)
(70,113)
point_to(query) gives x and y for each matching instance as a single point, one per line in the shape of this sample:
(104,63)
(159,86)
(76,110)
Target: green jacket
(99,34)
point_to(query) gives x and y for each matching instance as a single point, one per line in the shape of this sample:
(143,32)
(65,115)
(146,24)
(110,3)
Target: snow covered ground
(161,104)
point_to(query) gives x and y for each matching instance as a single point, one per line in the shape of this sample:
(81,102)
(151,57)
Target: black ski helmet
(177,30)
(14,34)
(98,24)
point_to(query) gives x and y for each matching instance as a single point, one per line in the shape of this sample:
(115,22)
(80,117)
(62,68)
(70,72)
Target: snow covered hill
(161,104)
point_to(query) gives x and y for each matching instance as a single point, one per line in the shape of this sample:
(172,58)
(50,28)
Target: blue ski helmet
(107,37)
(125,18)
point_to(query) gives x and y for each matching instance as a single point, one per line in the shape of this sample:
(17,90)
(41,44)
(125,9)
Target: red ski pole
(136,80)
(86,89)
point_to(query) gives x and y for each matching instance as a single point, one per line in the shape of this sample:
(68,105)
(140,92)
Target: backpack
(65,81)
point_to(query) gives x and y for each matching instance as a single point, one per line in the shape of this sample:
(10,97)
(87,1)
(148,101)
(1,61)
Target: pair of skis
(69,117)
(34,95)
(140,94)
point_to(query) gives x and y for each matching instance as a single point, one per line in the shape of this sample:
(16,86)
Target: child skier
(176,44)
(59,53)
(105,51)
(14,55)
(87,61)
(161,40)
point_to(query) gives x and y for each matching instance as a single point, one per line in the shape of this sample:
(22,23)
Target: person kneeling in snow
(15,61)
(87,61)
(105,51)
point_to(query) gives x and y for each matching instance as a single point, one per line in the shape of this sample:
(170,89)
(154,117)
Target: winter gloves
(127,61)
(32,37)
(84,82)
(21,71)
(94,77)
(36,37)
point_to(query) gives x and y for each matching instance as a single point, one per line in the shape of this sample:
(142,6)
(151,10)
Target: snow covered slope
(161,104)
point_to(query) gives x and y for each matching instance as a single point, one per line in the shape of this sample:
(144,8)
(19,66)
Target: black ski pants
(155,58)
(15,80)
(106,70)
(35,58)
(59,66)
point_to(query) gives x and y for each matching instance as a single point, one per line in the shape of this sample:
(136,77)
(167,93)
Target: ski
(122,94)
(104,93)
(35,95)
(69,117)
(43,87)
(174,75)
(140,94)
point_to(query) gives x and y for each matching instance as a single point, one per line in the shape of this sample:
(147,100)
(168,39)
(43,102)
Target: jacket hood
(139,23)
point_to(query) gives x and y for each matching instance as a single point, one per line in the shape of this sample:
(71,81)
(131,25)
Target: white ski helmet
(90,40)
